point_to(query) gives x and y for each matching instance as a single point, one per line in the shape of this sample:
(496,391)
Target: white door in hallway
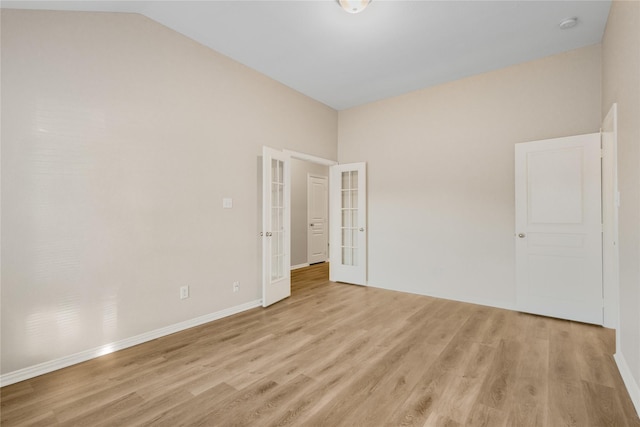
(558,228)
(348,222)
(317,213)
(276,226)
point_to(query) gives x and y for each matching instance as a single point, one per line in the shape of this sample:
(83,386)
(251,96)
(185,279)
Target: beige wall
(120,138)
(621,84)
(300,169)
(441,174)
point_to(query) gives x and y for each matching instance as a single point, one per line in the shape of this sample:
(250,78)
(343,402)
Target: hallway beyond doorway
(311,276)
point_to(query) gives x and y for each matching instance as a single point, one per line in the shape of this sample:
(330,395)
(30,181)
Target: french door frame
(319,161)
(266,233)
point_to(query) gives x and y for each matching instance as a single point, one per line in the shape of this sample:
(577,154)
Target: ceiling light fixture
(354,6)
(565,24)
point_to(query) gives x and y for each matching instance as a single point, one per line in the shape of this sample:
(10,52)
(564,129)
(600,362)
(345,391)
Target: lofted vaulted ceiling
(392,47)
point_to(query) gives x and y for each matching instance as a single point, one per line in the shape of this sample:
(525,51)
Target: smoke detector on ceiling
(565,24)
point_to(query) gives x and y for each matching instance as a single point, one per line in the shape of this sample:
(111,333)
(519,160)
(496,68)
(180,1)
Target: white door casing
(317,213)
(558,233)
(348,222)
(610,205)
(276,226)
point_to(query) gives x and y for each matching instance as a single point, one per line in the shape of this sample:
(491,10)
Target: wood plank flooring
(343,355)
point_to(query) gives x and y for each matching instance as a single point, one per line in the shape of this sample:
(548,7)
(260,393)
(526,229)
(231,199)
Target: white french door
(348,222)
(276,226)
(559,228)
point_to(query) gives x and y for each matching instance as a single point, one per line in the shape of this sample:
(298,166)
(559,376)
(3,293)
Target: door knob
(521,235)
(361,229)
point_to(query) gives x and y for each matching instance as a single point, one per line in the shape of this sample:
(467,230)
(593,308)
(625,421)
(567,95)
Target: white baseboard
(83,356)
(629,381)
(295,267)
(453,297)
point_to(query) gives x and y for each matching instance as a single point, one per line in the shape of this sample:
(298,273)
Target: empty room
(320,213)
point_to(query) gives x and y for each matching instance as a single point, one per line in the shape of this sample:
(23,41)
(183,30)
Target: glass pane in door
(349,225)
(277,220)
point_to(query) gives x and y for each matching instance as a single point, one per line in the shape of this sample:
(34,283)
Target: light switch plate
(227,203)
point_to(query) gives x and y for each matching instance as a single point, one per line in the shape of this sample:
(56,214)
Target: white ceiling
(393,47)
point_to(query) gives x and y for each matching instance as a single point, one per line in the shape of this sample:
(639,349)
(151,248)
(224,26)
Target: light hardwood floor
(336,354)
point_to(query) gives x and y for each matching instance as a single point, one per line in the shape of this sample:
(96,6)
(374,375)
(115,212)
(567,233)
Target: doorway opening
(309,223)
(347,215)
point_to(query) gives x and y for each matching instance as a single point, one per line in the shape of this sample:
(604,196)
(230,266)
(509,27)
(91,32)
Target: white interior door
(317,213)
(276,226)
(348,221)
(559,229)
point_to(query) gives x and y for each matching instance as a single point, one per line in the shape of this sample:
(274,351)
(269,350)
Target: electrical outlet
(236,286)
(184,292)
